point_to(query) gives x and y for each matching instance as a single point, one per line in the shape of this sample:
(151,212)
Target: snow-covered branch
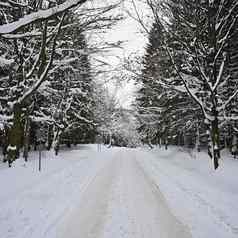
(40,15)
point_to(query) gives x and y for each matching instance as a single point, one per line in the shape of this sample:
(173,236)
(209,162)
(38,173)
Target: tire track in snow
(37,210)
(121,202)
(137,208)
(153,167)
(85,219)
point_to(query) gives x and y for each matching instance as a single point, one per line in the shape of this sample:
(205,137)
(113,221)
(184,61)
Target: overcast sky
(129,31)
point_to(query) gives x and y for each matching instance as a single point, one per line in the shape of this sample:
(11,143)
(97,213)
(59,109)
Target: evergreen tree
(197,38)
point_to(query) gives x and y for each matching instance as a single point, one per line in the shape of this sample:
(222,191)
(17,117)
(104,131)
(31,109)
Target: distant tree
(164,109)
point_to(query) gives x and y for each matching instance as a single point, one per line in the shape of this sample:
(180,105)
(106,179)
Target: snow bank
(32,203)
(203,199)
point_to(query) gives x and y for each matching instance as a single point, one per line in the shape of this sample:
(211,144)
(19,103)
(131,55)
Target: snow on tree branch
(40,15)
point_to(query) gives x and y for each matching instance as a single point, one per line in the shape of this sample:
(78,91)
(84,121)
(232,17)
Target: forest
(189,74)
(118,118)
(50,94)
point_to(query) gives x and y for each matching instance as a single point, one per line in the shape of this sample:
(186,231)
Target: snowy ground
(204,199)
(129,193)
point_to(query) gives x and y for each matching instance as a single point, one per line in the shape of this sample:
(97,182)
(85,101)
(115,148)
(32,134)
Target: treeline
(46,78)
(116,126)
(189,77)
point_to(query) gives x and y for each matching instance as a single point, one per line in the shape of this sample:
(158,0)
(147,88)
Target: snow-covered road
(121,202)
(119,193)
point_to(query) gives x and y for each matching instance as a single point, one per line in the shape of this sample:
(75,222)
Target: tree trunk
(180,139)
(110,140)
(229,137)
(56,140)
(49,137)
(185,139)
(15,135)
(215,143)
(198,139)
(5,143)
(149,142)
(166,142)
(234,145)
(26,138)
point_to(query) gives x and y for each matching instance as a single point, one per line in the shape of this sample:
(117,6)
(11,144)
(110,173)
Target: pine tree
(33,55)
(164,111)
(197,37)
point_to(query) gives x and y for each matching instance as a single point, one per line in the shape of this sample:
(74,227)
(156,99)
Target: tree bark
(215,140)
(15,135)
(5,143)
(198,139)
(56,140)
(234,145)
(49,137)
(166,142)
(26,138)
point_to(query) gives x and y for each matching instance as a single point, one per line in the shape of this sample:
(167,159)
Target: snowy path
(119,193)
(33,203)
(204,199)
(121,202)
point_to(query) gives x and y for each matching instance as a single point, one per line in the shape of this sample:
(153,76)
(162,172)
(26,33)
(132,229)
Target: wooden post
(40,157)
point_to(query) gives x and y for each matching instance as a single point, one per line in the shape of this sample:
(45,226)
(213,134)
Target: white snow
(127,205)
(39,15)
(204,199)
(11,148)
(119,192)
(5,62)
(33,202)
